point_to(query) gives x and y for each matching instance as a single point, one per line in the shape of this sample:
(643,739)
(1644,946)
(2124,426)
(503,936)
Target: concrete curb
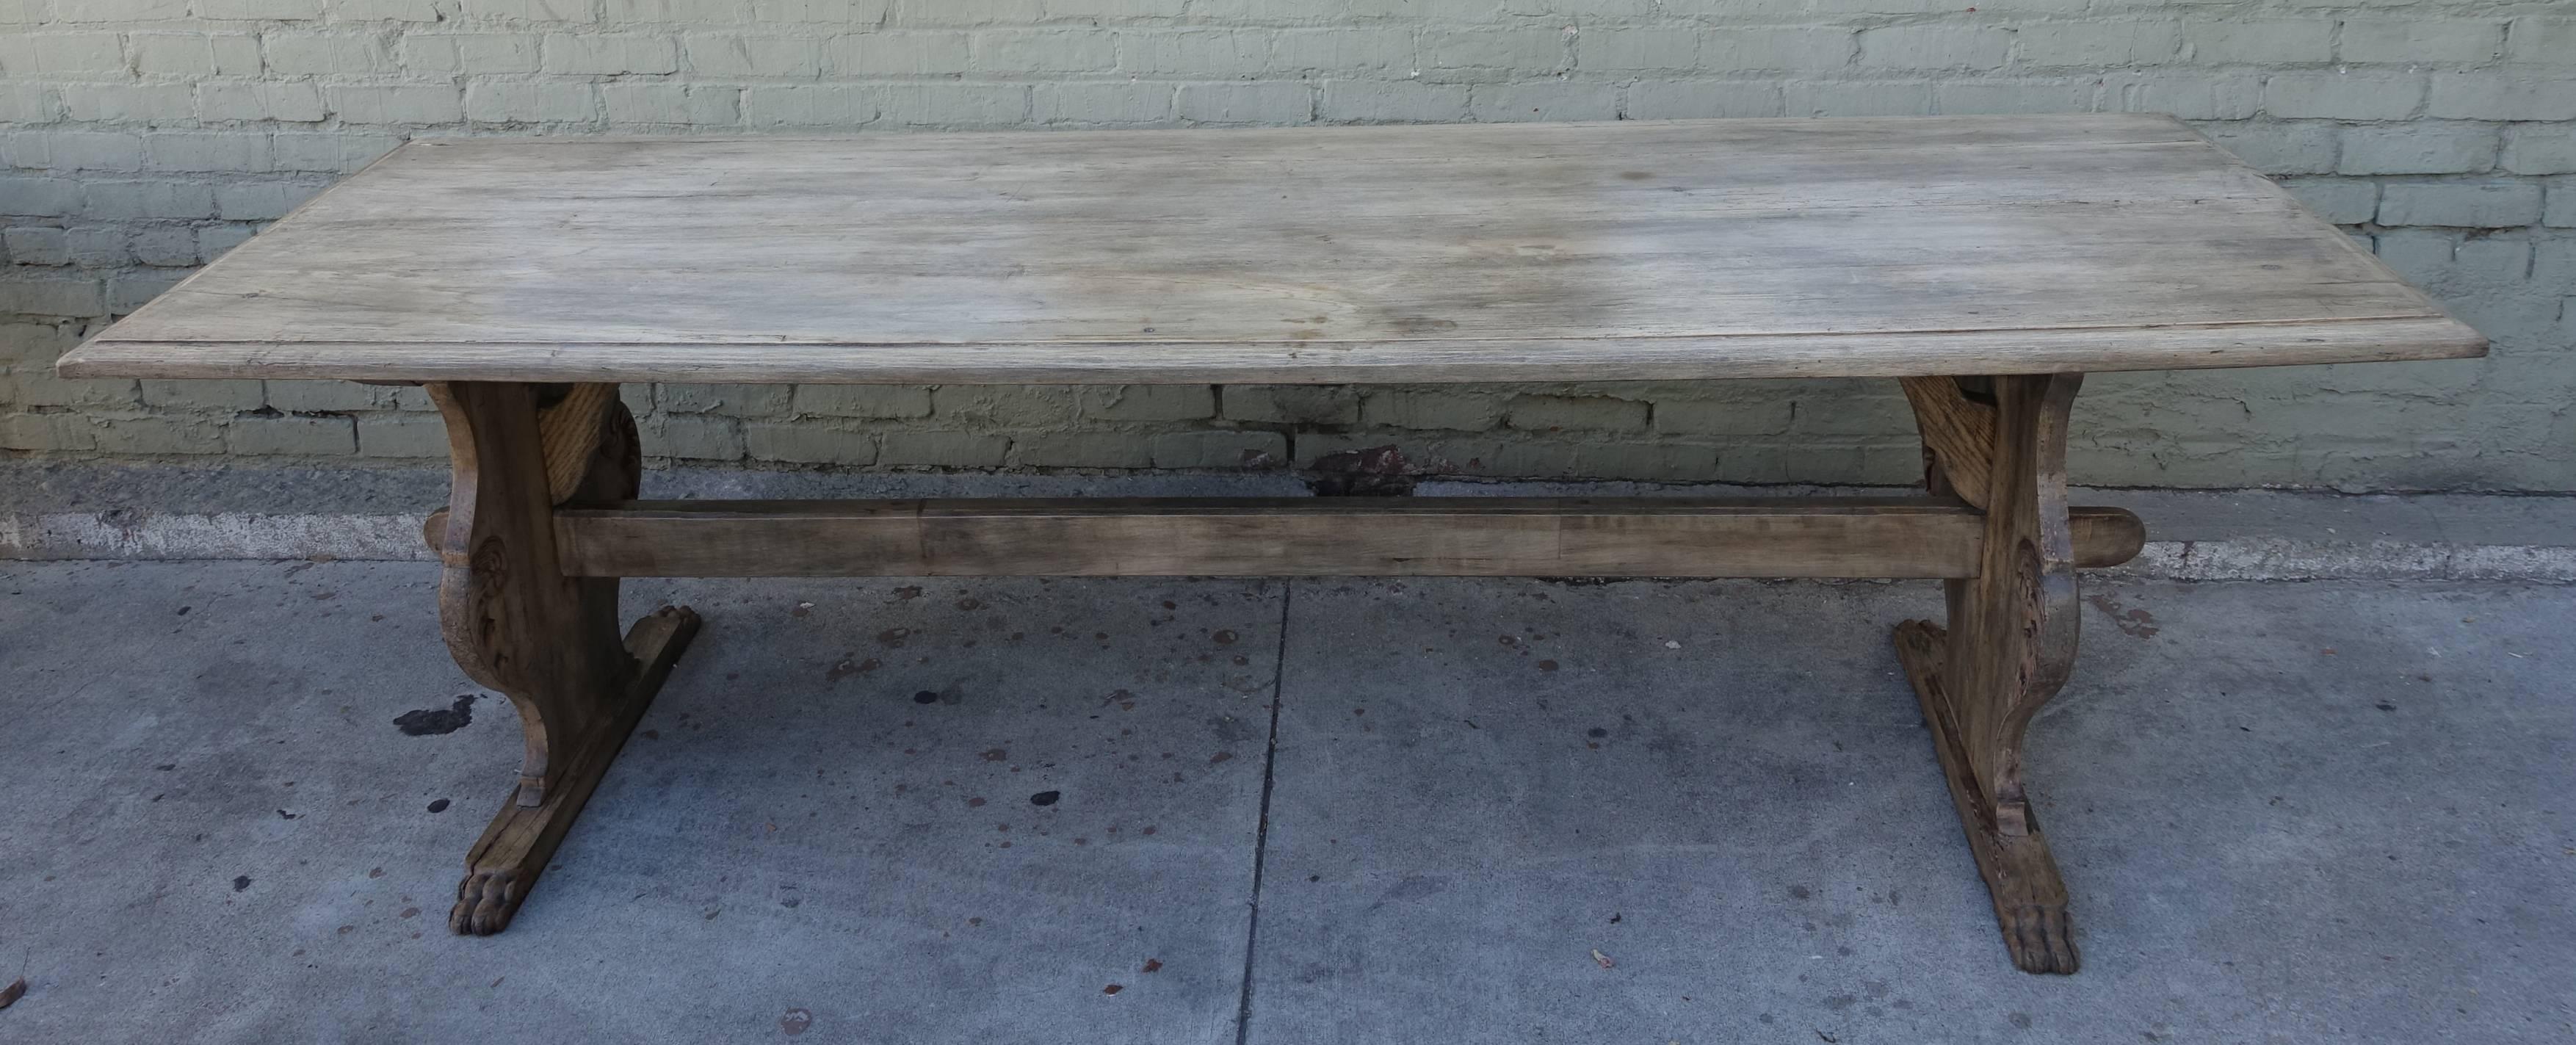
(130,534)
(2282,559)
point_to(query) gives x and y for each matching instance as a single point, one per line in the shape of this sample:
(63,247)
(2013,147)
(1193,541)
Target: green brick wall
(139,138)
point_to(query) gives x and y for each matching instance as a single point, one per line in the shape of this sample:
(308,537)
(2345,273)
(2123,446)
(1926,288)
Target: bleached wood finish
(568,434)
(1958,434)
(1605,251)
(518,623)
(516,846)
(524,278)
(2009,645)
(1301,537)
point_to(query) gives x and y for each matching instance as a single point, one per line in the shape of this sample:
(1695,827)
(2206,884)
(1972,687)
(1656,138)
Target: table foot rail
(513,851)
(1927,537)
(2020,873)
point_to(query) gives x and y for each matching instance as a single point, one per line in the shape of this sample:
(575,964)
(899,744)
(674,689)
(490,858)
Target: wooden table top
(1499,252)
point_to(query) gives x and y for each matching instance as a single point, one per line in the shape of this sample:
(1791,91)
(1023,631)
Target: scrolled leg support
(2008,647)
(516,624)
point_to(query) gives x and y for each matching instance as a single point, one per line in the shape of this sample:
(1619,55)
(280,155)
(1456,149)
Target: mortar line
(1261,833)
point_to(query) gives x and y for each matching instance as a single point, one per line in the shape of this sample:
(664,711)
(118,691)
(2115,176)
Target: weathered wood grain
(1466,536)
(1633,250)
(516,846)
(517,623)
(1958,433)
(2009,645)
(569,432)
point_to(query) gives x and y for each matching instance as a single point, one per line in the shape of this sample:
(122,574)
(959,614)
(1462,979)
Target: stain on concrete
(1411,887)
(430,722)
(2138,624)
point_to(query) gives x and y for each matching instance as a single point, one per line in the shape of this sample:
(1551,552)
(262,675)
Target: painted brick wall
(139,138)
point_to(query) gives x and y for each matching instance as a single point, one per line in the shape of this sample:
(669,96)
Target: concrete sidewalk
(964,811)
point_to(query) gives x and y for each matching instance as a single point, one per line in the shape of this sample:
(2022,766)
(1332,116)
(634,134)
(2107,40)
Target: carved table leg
(2011,638)
(516,624)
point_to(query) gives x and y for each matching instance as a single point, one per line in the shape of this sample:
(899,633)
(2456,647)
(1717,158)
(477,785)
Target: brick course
(139,138)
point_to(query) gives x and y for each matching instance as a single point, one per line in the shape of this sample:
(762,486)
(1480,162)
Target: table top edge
(2431,336)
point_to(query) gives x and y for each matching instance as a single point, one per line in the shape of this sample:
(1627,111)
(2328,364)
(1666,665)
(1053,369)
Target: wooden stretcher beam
(1487,537)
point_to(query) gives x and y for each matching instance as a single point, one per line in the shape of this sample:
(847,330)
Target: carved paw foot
(485,900)
(2039,937)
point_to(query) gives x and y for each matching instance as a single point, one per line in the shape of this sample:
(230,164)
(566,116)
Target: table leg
(2010,640)
(516,624)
